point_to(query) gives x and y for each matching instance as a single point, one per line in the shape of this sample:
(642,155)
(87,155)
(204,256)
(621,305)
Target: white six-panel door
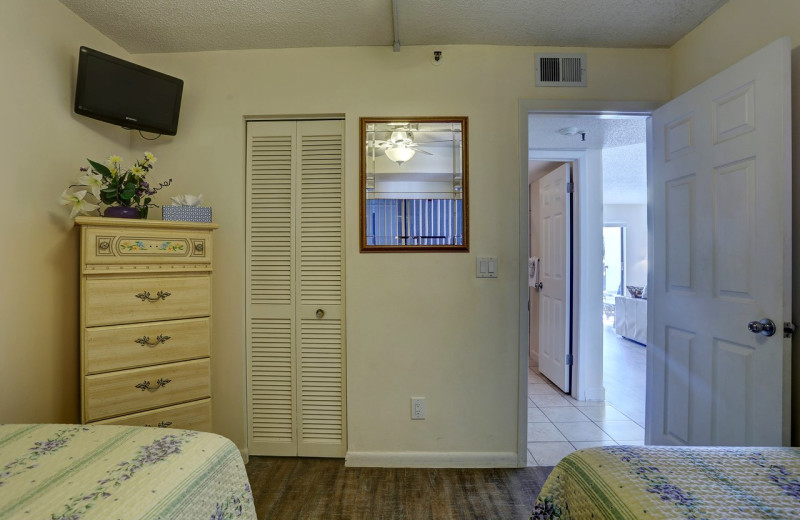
(720,188)
(295,301)
(554,294)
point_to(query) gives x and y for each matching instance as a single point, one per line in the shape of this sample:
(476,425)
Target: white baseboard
(595,393)
(425,459)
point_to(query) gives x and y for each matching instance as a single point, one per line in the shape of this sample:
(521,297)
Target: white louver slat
(321,219)
(321,392)
(271,219)
(271,393)
(296,372)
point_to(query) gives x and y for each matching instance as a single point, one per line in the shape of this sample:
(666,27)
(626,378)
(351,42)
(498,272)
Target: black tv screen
(125,94)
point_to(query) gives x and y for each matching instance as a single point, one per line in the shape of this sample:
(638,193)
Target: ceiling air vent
(560,70)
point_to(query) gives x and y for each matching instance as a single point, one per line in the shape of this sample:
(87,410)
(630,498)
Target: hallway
(559,425)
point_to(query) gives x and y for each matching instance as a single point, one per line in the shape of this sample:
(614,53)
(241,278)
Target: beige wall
(417,324)
(736,30)
(43,143)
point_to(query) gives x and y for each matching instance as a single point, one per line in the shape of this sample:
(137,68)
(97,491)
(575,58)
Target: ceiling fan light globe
(400,154)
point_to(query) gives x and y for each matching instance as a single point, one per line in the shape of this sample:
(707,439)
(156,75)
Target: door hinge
(570,187)
(568,361)
(788,329)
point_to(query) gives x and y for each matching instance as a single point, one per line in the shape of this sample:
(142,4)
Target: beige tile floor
(559,425)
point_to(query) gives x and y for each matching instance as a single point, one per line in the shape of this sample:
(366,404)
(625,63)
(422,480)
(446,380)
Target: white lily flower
(94,181)
(78,202)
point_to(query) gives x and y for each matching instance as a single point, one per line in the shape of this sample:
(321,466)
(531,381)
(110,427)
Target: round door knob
(538,286)
(765,327)
(320,313)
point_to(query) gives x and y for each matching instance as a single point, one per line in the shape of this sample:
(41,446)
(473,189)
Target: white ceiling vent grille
(560,70)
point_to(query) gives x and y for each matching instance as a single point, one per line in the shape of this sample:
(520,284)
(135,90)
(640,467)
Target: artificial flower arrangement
(113,186)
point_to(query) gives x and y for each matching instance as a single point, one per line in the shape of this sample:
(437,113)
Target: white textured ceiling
(621,139)
(145,26)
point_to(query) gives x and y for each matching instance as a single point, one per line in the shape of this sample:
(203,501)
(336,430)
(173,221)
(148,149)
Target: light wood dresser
(145,317)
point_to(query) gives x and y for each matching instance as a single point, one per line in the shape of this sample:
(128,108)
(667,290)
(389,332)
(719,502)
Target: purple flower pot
(121,212)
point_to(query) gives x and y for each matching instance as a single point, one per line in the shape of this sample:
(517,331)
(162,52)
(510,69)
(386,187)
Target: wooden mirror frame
(364,122)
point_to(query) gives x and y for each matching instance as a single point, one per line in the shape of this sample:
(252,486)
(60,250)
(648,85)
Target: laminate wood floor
(294,488)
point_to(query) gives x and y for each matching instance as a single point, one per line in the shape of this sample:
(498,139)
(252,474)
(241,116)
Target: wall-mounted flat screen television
(125,94)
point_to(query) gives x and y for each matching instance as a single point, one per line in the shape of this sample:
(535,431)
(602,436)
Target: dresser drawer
(116,393)
(118,300)
(128,346)
(112,245)
(188,416)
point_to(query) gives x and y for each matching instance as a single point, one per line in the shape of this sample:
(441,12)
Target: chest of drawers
(146,322)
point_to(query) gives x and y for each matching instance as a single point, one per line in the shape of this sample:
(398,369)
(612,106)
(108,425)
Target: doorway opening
(608,152)
(613,266)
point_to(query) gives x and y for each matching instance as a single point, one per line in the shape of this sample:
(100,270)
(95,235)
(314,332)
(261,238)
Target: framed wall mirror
(414,189)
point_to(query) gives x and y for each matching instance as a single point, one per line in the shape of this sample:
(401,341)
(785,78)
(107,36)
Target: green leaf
(108,198)
(100,168)
(147,200)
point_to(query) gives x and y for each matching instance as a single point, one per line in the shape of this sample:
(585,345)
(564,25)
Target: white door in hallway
(554,293)
(720,188)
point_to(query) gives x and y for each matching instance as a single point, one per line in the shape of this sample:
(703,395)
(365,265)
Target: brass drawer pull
(162,424)
(145,340)
(145,385)
(199,247)
(160,295)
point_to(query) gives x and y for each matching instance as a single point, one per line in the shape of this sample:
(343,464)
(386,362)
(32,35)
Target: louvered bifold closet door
(296,400)
(271,382)
(320,233)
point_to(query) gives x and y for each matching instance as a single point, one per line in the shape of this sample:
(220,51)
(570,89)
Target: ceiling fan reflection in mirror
(399,147)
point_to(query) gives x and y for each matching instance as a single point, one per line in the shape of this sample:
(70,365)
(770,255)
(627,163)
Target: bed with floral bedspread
(83,472)
(626,482)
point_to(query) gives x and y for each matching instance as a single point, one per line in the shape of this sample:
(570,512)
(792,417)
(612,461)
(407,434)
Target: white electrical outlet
(417,408)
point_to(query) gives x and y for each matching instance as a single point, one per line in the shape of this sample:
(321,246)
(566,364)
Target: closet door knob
(320,314)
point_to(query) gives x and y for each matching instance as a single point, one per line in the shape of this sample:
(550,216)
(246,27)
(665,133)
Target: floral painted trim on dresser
(153,246)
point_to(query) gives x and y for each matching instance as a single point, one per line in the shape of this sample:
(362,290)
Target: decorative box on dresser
(145,318)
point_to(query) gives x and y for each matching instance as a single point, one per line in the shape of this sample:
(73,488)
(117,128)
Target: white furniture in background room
(630,318)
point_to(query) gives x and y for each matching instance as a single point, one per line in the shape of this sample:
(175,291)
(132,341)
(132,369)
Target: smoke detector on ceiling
(573,130)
